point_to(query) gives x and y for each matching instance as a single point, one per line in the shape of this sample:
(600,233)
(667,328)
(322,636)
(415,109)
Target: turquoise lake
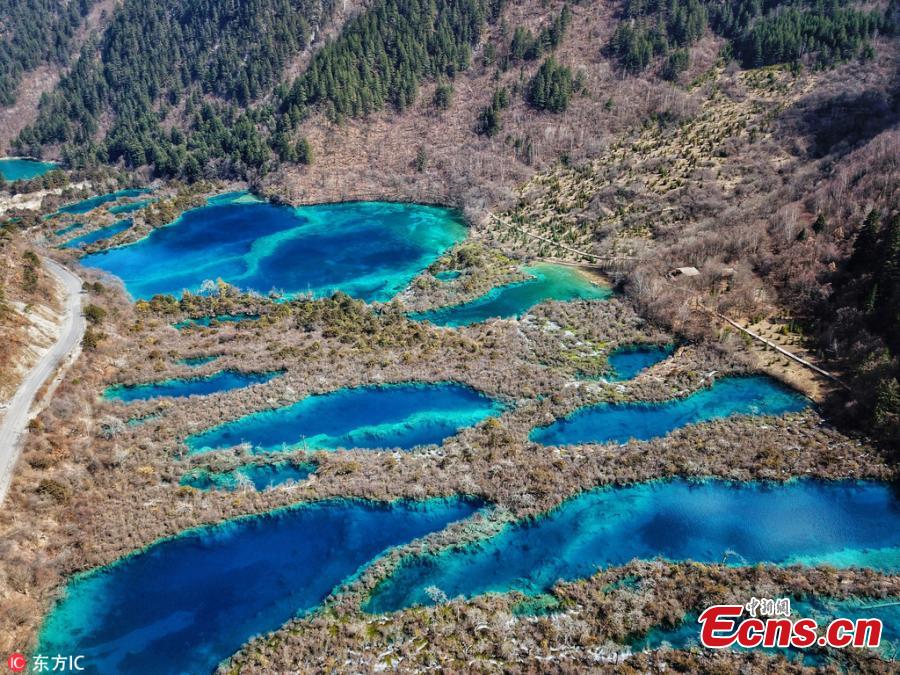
(840,523)
(93,202)
(14,168)
(390,416)
(260,476)
(216,383)
(823,610)
(98,235)
(546,282)
(207,321)
(619,422)
(627,363)
(184,604)
(369,250)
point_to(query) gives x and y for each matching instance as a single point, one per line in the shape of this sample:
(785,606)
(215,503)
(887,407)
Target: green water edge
(260,476)
(544,282)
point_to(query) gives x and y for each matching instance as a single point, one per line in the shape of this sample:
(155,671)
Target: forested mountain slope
(198,65)
(38,41)
(33,32)
(191,64)
(643,129)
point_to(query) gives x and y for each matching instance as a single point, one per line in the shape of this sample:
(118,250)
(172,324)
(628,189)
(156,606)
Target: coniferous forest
(345,336)
(33,32)
(551,87)
(201,61)
(160,59)
(211,71)
(383,55)
(759,33)
(868,294)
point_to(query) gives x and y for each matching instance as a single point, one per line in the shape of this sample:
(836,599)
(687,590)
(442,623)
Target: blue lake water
(207,321)
(836,523)
(627,362)
(93,202)
(546,282)
(447,275)
(185,604)
(391,416)
(369,250)
(823,610)
(225,380)
(98,235)
(130,207)
(260,476)
(197,361)
(12,168)
(607,422)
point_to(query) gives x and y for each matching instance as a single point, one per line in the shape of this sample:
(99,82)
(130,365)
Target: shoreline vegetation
(588,624)
(720,166)
(327,344)
(423,293)
(484,269)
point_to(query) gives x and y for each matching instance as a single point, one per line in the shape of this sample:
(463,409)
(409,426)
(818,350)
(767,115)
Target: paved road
(16,416)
